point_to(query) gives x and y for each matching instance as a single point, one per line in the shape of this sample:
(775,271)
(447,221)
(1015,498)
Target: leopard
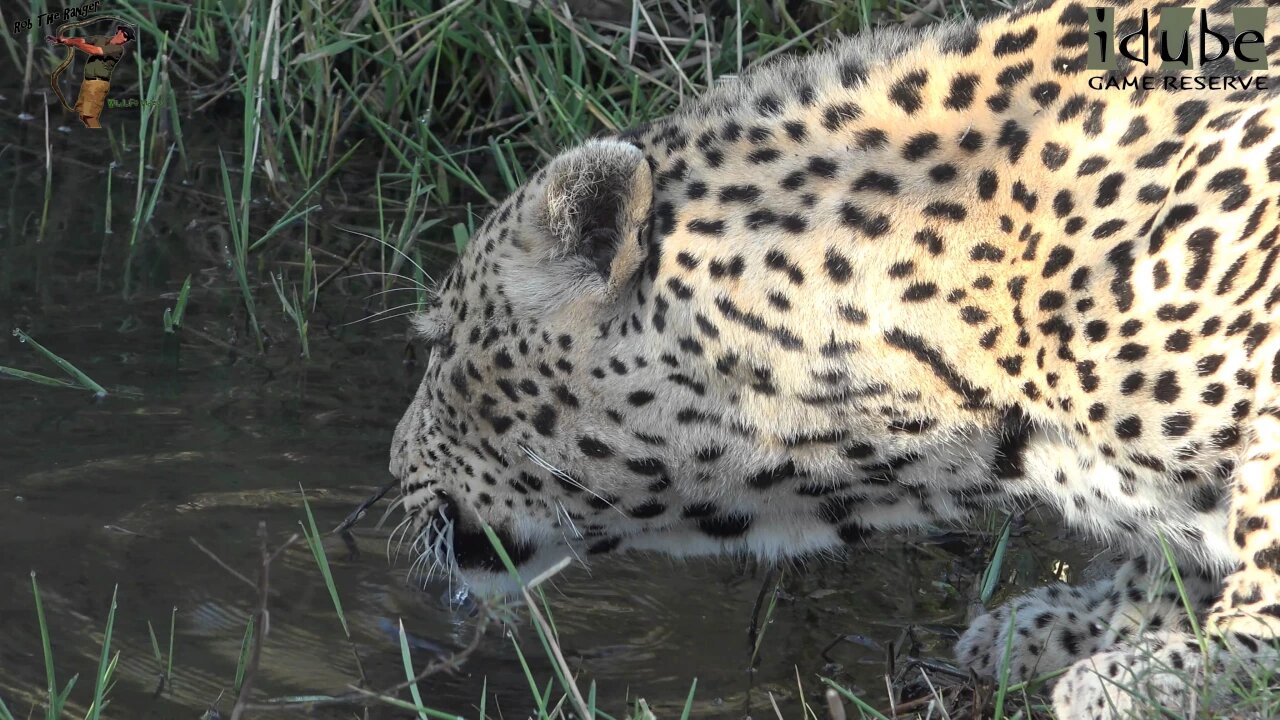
(912,279)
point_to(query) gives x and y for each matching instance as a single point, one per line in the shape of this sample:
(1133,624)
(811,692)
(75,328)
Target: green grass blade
(460,237)
(1036,681)
(403,705)
(153,196)
(37,378)
(768,618)
(409,674)
(104,663)
(312,535)
(1002,690)
(4,711)
(109,681)
(862,705)
(1199,635)
(55,707)
(991,577)
(66,692)
(243,662)
(85,381)
(528,675)
(549,643)
(688,702)
(546,695)
(546,611)
(239,258)
(173,316)
(292,213)
(168,662)
(155,644)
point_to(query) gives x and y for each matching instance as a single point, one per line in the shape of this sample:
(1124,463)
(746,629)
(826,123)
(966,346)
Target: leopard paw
(1042,631)
(1161,674)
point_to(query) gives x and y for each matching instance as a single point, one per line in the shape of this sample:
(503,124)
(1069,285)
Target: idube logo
(1174,45)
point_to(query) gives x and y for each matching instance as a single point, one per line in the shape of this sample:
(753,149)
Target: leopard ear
(598,198)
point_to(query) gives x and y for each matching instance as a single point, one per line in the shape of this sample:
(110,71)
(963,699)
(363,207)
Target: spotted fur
(921,275)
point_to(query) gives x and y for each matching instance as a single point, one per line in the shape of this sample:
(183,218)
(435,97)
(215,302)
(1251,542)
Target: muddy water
(115,494)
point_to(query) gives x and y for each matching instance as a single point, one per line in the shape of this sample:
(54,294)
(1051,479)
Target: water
(205,444)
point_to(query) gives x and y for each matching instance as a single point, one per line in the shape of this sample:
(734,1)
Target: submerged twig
(222,564)
(357,515)
(753,630)
(262,618)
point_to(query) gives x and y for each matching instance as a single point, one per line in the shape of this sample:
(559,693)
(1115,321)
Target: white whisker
(388,291)
(380,313)
(397,537)
(569,544)
(392,505)
(406,278)
(565,476)
(375,238)
(562,510)
(390,317)
(420,557)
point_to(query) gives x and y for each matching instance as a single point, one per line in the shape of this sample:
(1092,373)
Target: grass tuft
(56,700)
(106,664)
(429,110)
